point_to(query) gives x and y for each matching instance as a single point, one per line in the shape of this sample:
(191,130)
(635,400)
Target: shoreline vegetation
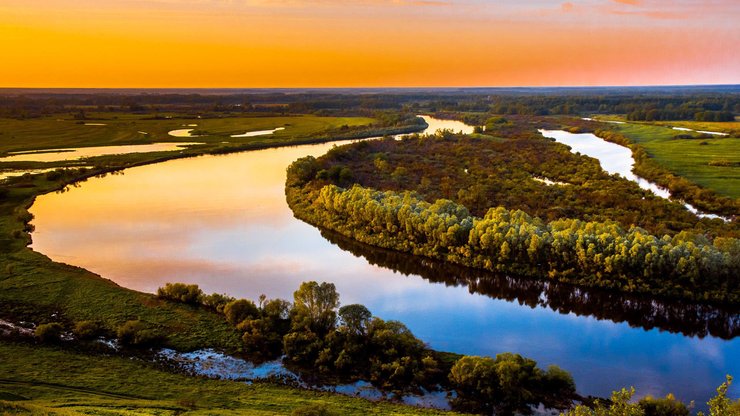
(680,187)
(596,247)
(315,337)
(695,319)
(71,287)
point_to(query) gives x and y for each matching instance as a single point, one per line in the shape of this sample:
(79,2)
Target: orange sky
(338,43)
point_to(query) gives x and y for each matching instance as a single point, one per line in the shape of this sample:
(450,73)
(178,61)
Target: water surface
(615,159)
(59,155)
(222,222)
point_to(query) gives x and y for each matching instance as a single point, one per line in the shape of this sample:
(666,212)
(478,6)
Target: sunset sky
(373,43)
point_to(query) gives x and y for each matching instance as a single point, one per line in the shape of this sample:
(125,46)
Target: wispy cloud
(654,14)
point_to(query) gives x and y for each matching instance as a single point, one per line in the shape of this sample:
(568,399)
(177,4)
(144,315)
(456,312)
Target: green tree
(238,310)
(620,406)
(355,318)
(721,405)
(136,334)
(180,292)
(663,406)
(314,307)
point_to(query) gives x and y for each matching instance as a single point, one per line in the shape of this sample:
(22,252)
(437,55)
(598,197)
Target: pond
(222,222)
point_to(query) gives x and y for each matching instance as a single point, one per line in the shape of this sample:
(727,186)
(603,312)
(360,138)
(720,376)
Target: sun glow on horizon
(367,43)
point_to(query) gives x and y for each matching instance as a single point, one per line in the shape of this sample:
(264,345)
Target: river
(222,222)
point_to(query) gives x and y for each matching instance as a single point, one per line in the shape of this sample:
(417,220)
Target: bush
(239,310)
(136,334)
(48,333)
(319,409)
(216,301)
(180,292)
(87,330)
(666,406)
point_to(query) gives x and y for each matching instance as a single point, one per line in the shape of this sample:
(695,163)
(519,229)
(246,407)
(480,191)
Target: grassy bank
(35,289)
(710,161)
(122,128)
(51,380)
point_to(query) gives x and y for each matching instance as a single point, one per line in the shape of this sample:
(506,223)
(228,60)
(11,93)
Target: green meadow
(54,132)
(55,381)
(712,162)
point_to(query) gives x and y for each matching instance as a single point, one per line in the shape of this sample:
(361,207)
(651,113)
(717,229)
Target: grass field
(50,380)
(691,158)
(120,128)
(720,127)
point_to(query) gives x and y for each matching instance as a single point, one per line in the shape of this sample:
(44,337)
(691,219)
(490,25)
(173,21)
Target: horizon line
(383,87)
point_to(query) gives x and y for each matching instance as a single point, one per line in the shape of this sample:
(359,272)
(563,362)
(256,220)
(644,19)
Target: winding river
(615,159)
(222,222)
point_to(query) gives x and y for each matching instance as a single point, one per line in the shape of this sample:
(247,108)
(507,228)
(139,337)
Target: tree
(355,318)
(216,301)
(180,292)
(136,334)
(721,405)
(620,406)
(476,382)
(314,307)
(238,310)
(663,406)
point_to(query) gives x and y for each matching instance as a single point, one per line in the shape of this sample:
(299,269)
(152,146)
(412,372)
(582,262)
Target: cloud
(654,14)
(567,7)
(630,2)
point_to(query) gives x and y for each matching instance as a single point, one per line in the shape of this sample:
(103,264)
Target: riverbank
(35,289)
(585,248)
(700,167)
(58,381)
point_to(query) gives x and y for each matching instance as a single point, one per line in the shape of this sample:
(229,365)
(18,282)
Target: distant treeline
(718,104)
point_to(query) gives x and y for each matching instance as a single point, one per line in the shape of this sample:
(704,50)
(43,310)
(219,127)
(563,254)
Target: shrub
(216,301)
(239,310)
(180,292)
(136,334)
(665,406)
(24,216)
(51,332)
(318,409)
(87,330)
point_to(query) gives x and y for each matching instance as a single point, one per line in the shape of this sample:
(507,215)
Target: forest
(473,201)
(694,319)
(707,103)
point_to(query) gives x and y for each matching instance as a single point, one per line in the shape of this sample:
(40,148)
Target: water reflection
(615,159)
(686,318)
(59,155)
(222,222)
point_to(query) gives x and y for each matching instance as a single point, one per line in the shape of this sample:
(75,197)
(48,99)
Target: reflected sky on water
(222,222)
